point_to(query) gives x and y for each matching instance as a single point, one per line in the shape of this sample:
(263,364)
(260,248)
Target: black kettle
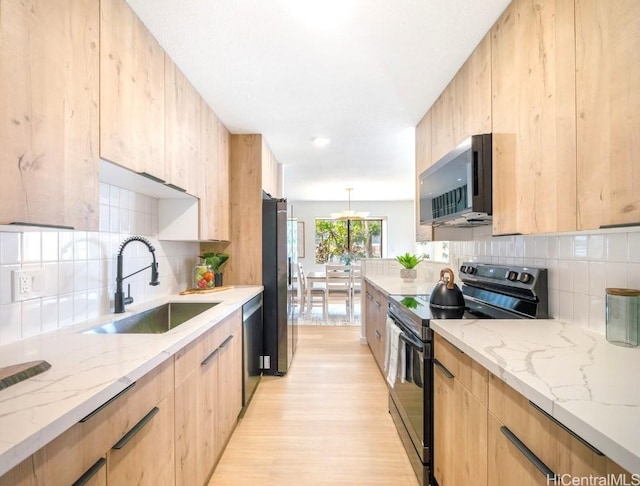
(446,300)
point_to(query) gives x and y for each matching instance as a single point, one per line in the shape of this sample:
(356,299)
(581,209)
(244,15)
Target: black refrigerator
(278,257)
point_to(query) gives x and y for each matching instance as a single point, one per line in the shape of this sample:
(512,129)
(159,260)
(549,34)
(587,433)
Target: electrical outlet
(27,284)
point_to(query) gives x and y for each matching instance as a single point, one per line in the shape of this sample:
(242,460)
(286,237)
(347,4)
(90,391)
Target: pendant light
(349,213)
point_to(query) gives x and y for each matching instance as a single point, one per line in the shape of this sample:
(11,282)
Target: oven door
(411,389)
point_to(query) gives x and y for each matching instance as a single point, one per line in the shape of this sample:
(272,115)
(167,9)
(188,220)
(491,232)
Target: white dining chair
(338,284)
(355,276)
(310,297)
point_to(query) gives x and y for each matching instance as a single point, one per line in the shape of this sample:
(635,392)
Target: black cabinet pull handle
(378,303)
(567,429)
(378,335)
(135,429)
(526,452)
(210,357)
(369,296)
(87,417)
(442,368)
(92,471)
(226,341)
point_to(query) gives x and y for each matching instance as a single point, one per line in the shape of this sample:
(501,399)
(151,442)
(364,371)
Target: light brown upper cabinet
(223,196)
(182,106)
(131,91)
(49,113)
(464,107)
(271,172)
(423,161)
(214,185)
(608,108)
(533,115)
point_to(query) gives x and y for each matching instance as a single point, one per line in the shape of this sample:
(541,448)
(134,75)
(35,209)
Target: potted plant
(216,261)
(409,262)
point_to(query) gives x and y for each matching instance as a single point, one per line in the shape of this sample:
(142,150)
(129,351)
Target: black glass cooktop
(418,305)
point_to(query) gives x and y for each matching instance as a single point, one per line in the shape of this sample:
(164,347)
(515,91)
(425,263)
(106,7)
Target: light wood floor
(325,423)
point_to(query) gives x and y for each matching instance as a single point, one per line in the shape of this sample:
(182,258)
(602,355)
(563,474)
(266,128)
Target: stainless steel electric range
(490,292)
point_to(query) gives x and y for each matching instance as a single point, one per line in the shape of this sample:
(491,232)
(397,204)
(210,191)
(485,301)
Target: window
(347,240)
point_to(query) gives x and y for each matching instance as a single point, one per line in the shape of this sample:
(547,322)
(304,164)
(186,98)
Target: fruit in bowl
(203,277)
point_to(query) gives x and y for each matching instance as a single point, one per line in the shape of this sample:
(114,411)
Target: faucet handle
(128,299)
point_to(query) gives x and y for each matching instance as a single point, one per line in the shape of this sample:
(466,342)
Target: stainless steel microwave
(456,190)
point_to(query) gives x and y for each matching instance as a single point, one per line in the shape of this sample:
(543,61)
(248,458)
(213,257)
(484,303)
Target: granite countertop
(89,369)
(572,373)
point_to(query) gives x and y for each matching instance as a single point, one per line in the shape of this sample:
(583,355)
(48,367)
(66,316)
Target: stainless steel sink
(157,320)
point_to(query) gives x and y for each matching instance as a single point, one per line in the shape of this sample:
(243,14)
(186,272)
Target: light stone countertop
(393,285)
(574,374)
(89,369)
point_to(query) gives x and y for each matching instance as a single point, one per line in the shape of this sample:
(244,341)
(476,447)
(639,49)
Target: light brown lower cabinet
(144,455)
(376,304)
(460,417)
(208,399)
(526,445)
(188,404)
(485,432)
(229,399)
(127,440)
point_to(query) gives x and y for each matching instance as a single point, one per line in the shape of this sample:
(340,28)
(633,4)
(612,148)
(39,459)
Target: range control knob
(525,277)
(511,275)
(463,269)
(471,270)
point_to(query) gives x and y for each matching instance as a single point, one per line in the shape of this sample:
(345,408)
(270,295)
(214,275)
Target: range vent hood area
(456,190)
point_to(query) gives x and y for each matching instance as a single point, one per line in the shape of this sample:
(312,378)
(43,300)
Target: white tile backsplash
(31,247)
(580,267)
(581,247)
(9,248)
(597,278)
(617,247)
(78,268)
(580,277)
(633,247)
(596,247)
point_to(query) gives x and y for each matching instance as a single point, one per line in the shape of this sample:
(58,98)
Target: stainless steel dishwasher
(252,346)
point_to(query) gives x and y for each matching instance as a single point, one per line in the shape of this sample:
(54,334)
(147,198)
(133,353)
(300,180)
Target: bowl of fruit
(203,277)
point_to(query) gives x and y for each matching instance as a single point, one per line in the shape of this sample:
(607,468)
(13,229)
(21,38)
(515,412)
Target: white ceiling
(361,72)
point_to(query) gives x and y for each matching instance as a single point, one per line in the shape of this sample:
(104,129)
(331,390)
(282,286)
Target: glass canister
(623,316)
(203,277)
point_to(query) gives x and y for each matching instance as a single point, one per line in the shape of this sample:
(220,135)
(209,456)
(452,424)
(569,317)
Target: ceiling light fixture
(321,141)
(349,213)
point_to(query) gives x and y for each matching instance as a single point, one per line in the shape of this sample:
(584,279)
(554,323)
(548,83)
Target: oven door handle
(412,342)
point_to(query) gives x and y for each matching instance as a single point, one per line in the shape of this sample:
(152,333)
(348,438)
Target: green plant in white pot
(409,262)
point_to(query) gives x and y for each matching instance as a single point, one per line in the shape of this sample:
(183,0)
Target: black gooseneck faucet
(120,299)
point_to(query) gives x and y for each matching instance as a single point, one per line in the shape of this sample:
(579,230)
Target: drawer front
(473,376)
(189,358)
(106,426)
(560,450)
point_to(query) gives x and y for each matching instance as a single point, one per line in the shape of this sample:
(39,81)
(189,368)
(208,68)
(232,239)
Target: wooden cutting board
(10,375)
(206,291)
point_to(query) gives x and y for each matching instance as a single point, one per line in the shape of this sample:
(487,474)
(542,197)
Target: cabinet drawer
(558,448)
(105,426)
(189,358)
(473,376)
(65,459)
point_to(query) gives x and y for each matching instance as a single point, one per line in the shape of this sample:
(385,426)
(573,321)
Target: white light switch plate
(27,284)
